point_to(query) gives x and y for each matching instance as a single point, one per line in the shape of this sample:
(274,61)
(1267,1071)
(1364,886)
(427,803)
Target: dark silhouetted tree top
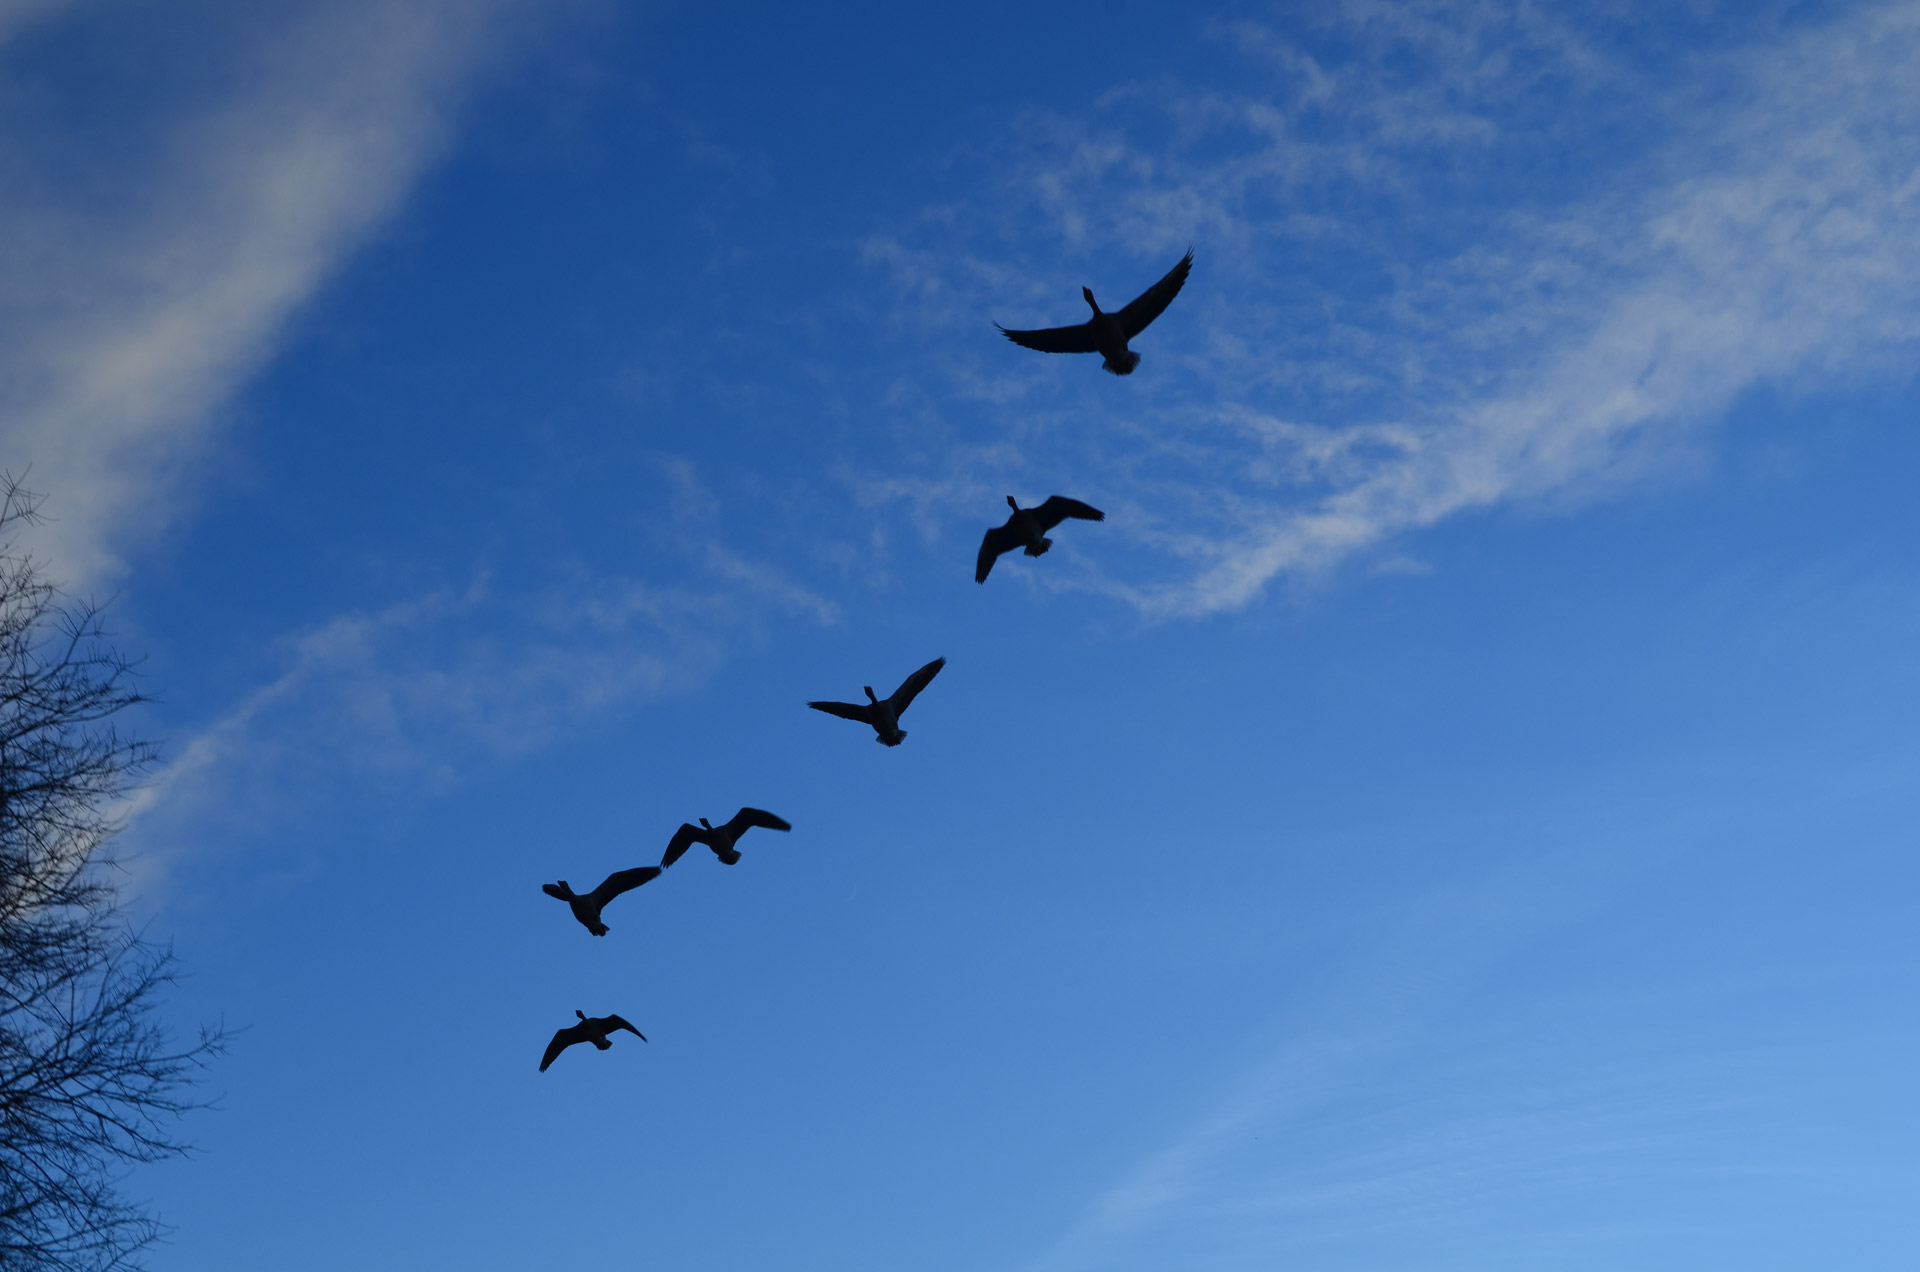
(89,1081)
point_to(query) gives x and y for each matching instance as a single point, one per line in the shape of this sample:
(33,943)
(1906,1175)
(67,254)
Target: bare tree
(90,1082)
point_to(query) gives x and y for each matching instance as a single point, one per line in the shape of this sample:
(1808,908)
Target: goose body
(1027,528)
(883,714)
(1105,333)
(720,838)
(587,908)
(593,1029)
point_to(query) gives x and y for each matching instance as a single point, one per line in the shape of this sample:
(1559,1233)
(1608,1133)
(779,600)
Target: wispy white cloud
(138,296)
(1456,258)
(434,686)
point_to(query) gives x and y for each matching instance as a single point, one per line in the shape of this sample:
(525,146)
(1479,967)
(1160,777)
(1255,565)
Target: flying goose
(884,713)
(1107,334)
(587,908)
(593,1029)
(720,838)
(1027,528)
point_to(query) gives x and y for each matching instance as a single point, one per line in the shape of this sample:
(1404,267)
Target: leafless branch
(90,1082)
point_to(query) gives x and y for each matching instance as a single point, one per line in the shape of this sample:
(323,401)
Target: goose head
(870,693)
(1088,293)
(1011,504)
(579,1013)
(706,823)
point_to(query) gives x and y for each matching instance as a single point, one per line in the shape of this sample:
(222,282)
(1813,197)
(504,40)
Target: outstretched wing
(1061,339)
(684,838)
(999,539)
(755,817)
(903,696)
(561,1041)
(624,881)
(845,710)
(1058,508)
(620,1022)
(1148,304)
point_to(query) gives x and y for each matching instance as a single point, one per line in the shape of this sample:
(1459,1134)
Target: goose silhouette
(587,908)
(1107,334)
(593,1029)
(883,714)
(720,838)
(1027,528)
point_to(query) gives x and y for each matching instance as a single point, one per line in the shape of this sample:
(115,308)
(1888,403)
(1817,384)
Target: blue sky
(1457,812)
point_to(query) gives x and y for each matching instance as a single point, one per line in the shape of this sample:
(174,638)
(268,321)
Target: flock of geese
(1106,334)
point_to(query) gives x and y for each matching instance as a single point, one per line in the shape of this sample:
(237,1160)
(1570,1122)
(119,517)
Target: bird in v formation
(1104,333)
(1027,528)
(883,714)
(593,1029)
(1107,334)
(720,838)
(587,908)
